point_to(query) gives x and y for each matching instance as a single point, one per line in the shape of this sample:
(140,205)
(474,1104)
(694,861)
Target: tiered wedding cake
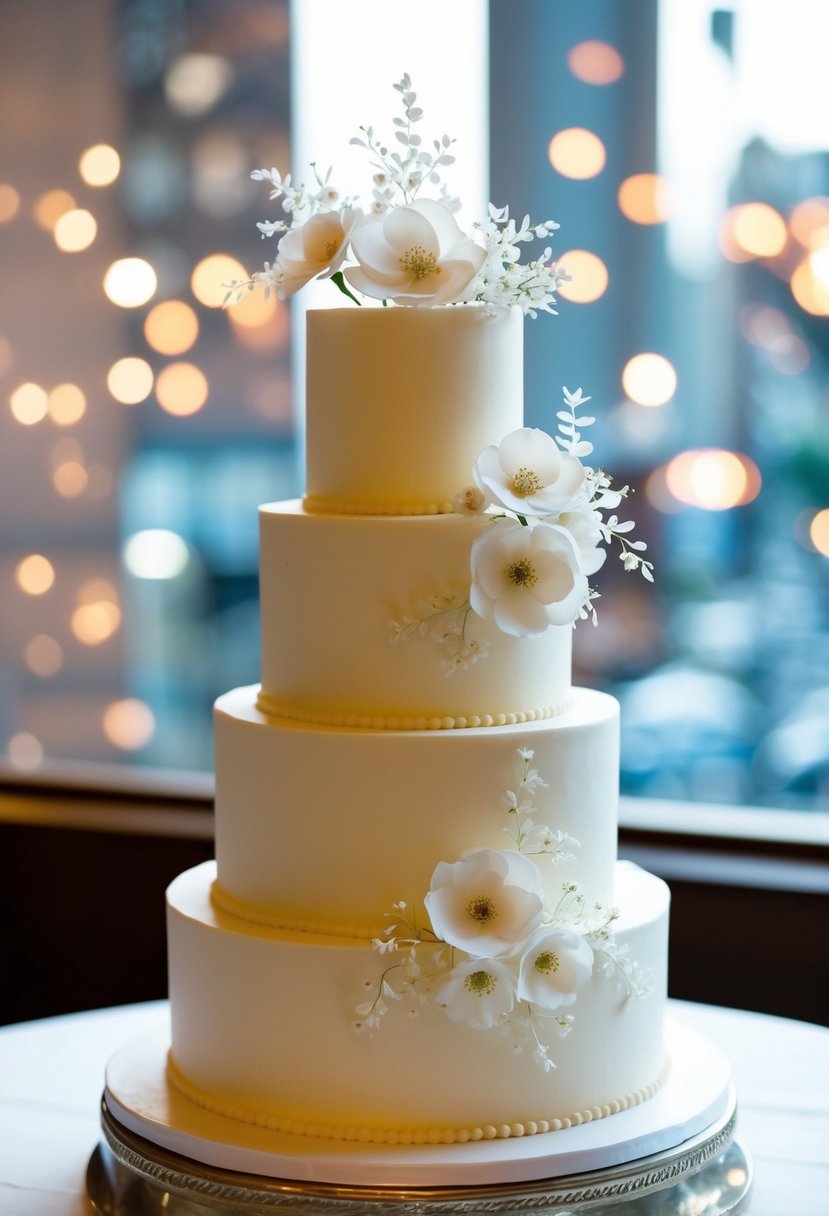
(416,930)
(361,765)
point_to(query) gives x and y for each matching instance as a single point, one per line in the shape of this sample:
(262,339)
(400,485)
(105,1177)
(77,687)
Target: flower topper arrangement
(402,247)
(494,954)
(550,516)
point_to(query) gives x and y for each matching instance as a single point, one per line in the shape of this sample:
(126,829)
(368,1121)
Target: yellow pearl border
(315,504)
(245,912)
(406,1136)
(272,708)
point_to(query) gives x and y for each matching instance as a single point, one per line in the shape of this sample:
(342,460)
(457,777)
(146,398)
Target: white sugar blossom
(528,474)
(584,525)
(480,992)
(557,963)
(314,250)
(527,579)
(469,501)
(487,903)
(415,254)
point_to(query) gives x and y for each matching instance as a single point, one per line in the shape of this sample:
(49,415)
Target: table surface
(51,1077)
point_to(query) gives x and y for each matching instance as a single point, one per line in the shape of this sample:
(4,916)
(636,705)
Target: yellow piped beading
(315,504)
(277,709)
(427,1135)
(241,911)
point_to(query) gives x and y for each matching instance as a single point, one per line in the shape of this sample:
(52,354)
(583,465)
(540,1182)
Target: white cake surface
(329,587)
(324,828)
(697,1094)
(262,1029)
(398,399)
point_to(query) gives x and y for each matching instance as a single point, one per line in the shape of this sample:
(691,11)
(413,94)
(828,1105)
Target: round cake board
(696,1093)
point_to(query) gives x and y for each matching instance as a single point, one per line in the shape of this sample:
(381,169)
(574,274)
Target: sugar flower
(526,473)
(585,526)
(487,903)
(527,579)
(314,250)
(415,254)
(557,963)
(480,992)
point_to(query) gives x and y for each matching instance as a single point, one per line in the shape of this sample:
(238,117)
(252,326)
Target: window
(141,424)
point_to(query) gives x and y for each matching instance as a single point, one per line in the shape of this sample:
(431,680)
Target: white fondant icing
(400,401)
(329,587)
(260,1022)
(328,826)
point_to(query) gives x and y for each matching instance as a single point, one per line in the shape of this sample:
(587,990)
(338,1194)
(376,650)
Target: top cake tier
(400,401)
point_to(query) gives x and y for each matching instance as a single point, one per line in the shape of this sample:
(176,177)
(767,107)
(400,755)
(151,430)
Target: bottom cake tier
(263,1032)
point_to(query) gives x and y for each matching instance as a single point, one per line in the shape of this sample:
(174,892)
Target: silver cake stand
(706,1175)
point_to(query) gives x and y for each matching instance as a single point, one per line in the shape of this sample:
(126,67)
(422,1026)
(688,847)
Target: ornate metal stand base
(709,1175)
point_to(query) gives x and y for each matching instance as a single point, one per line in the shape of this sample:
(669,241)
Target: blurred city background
(684,149)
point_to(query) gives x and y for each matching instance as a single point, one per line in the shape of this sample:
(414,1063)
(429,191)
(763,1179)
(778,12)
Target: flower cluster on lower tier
(493,954)
(551,518)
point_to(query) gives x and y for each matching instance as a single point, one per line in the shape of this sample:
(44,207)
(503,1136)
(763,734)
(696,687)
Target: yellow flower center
(525,482)
(547,961)
(330,249)
(521,573)
(481,983)
(482,909)
(418,263)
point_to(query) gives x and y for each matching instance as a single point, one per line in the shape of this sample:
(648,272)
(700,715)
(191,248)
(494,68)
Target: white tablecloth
(51,1077)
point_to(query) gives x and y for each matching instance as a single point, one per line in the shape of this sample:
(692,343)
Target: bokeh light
(211,276)
(9,202)
(171,327)
(130,380)
(713,479)
(649,379)
(590,277)
(25,751)
(752,230)
(645,198)
(809,222)
(819,531)
(35,574)
(99,165)
(809,286)
(130,282)
(156,553)
(259,323)
(70,479)
(128,724)
(75,231)
(595,62)
(181,389)
(66,404)
(195,82)
(95,622)
(49,207)
(577,153)
(43,655)
(29,403)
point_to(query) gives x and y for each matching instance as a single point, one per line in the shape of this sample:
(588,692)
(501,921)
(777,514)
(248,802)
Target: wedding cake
(416,929)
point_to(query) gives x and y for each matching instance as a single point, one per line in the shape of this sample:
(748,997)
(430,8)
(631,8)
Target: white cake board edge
(695,1094)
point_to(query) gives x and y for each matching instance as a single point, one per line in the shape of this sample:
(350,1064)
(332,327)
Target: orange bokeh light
(590,277)
(51,206)
(577,153)
(595,62)
(713,479)
(171,327)
(644,198)
(809,287)
(752,230)
(809,222)
(181,389)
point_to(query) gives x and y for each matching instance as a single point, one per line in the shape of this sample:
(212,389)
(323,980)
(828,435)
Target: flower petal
(530,448)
